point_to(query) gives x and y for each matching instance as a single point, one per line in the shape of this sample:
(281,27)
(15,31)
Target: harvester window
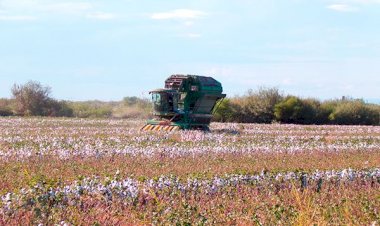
(181,101)
(175,101)
(160,102)
(170,102)
(156,98)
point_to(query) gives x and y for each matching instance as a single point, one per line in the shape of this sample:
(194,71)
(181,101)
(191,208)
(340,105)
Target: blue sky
(110,49)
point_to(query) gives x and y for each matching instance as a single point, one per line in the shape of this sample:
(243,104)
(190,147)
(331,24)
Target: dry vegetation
(71,171)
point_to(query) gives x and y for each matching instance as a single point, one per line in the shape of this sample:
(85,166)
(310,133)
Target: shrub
(6,107)
(91,109)
(132,107)
(224,111)
(130,112)
(31,98)
(355,112)
(324,111)
(257,106)
(295,110)
(318,112)
(59,109)
(5,111)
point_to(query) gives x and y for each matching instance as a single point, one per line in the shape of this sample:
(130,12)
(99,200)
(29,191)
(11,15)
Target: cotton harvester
(186,102)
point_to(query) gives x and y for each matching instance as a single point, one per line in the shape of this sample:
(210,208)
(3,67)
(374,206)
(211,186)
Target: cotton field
(108,172)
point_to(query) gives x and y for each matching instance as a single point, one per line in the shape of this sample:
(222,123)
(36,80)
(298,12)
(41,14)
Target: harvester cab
(186,102)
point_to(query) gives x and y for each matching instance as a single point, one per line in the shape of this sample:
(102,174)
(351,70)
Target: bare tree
(31,98)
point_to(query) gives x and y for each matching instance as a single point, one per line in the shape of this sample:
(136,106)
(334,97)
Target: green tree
(355,112)
(295,110)
(224,111)
(256,106)
(324,111)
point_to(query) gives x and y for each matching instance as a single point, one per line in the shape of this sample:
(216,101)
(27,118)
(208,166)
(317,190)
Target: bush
(91,109)
(295,110)
(224,111)
(59,109)
(130,112)
(132,107)
(31,99)
(141,103)
(355,112)
(5,111)
(6,107)
(256,106)
(376,113)
(324,111)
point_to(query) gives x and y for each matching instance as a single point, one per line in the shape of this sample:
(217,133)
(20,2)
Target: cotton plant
(129,189)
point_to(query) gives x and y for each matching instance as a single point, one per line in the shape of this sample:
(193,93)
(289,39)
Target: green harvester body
(186,102)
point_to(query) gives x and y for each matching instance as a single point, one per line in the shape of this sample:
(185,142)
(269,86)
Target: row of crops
(107,172)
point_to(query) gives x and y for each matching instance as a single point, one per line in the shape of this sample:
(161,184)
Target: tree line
(264,105)
(34,99)
(267,105)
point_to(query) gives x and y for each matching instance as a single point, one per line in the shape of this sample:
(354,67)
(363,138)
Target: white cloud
(342,8)
(101,16)
(183,14)
(16,18)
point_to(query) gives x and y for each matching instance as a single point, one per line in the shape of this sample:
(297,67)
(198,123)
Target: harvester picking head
(186,102)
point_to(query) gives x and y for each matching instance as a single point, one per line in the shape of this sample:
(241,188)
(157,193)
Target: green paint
(186,101)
